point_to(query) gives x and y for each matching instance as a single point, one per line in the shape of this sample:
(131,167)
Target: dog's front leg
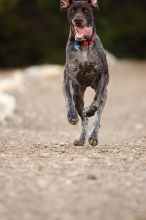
(99,90)
(68,93)
(79,104)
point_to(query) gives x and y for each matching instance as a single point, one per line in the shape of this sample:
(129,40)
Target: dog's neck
(84,41)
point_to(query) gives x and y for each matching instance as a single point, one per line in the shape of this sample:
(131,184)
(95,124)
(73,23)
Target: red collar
(85,42)
(88,43)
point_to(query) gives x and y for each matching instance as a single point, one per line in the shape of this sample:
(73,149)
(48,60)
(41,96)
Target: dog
(86,66)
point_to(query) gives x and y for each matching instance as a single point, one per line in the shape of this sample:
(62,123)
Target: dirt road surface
(44,177)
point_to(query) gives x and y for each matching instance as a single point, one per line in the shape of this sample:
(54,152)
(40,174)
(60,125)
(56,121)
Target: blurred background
(35,32)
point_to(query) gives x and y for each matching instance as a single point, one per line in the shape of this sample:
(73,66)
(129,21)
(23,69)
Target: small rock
(91,177)
(63,151)
(44,155)
(62,144)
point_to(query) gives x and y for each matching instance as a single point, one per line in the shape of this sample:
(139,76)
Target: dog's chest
(83,56)
(86,67)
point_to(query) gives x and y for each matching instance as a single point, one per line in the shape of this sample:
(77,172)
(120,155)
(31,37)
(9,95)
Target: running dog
(86,66)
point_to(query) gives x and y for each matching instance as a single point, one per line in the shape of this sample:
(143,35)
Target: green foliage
(34,32)
(122,27)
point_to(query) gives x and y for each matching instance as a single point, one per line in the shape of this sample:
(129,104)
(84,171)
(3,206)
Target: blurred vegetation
(34,32)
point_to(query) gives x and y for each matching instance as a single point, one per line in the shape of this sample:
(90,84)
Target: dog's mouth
(81,32)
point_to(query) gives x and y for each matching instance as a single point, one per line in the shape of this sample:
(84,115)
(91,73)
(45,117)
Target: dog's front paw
(73,118)
(90,111)
(93,141)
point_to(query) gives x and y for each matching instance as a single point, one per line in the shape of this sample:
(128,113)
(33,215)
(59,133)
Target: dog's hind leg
(83,136)
(79,104)
(93,139)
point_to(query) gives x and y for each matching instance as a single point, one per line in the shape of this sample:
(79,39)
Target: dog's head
(80,15)
(79,11)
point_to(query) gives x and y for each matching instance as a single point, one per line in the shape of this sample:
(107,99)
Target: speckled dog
(86,66)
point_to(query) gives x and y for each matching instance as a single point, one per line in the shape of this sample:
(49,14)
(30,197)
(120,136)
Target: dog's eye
(73,10)
(85,10)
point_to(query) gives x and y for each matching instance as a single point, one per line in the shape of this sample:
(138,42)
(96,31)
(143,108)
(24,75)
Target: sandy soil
(44,177)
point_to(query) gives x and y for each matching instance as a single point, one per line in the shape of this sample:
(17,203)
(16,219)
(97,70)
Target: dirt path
(44,177)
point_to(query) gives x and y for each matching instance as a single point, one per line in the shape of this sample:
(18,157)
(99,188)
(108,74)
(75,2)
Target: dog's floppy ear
(64,4)
(94,3)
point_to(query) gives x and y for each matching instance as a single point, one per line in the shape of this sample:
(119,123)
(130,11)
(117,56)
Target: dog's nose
(78,21)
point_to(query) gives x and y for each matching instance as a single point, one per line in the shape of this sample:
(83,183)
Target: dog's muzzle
(78,22)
